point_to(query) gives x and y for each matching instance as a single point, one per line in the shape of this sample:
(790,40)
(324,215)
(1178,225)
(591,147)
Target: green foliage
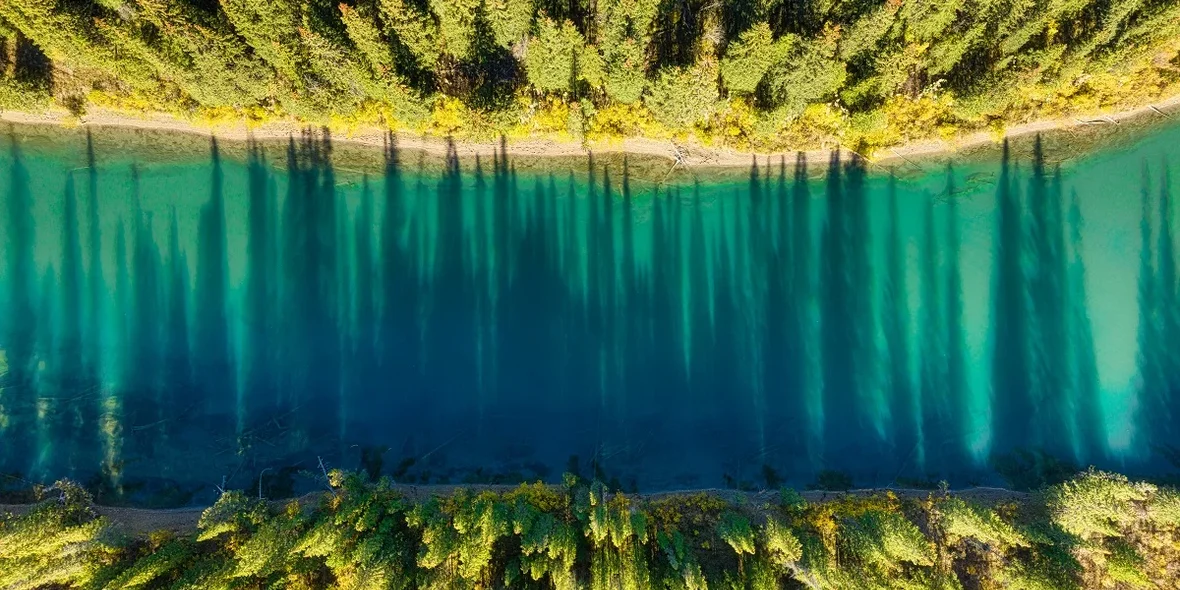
(783,548)
(21,96)
(361,27)
(264,553)
(548,545)
(623,74)
(681,561)
(827,72)
(624,33)
(960,520)
(161,562)
(867,31)
(1124,565)
(811,74)
(201,54)
(735,530)
(59,542)
(617,537)
(553,56)
(362,537)
(749,58)
(271,30)
(1047,567)
(1096,504)
(1164,509)
(885,539)
(456,24)
(509,19)
(413,28)
(681,98)
(925,20)
(234,513)
(367,536)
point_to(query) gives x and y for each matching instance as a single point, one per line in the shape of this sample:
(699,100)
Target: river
(176,323)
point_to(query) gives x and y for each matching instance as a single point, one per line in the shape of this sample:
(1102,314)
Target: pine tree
(510,20)
(812,73)
(683,97)
(866,32)
(413,28)
(749,57)
(554,53)
(271,29)
(456,25)
(195,50)
(65,32)
(624,31)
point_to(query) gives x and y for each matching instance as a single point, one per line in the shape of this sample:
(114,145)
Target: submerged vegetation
(1097,530)
(751,74)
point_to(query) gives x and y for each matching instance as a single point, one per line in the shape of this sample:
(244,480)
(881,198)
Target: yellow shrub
(929,115)
(551,115)
(128,103)
(213,117)
(735,124)
(624,120)
(820,126)
(449,115)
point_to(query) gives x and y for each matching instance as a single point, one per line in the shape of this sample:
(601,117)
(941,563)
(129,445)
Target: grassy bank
(1097,530)
(751,75)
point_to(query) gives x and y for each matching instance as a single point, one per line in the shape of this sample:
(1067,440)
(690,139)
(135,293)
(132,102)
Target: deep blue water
(170,325)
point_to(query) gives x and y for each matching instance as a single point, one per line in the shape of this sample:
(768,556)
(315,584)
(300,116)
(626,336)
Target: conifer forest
(746,74)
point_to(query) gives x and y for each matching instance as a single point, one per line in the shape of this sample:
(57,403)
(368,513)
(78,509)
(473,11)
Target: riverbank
(1067,136)
(184,520)
(1097,530)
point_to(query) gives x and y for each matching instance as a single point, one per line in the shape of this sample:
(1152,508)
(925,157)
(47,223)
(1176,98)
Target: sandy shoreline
(688,155)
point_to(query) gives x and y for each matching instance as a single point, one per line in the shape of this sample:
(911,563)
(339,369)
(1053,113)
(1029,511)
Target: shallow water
(258,316)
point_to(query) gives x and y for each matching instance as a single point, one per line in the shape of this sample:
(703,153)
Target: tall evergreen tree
(871,407)
(71,388)
(938,430)
(958,388)
(260,321)
(1150,364)
(903,408)
(1049,346)
(1012,409)
(143,391)
(194,49)
(1168,315)
(178,373)
(17,394)
(803,293)
(213,359)
(95,284)
(841,379)
(1088,396)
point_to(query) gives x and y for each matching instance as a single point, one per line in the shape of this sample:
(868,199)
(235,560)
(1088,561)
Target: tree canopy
(751,73)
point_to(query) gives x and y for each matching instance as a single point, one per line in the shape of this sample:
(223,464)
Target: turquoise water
(175,324)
